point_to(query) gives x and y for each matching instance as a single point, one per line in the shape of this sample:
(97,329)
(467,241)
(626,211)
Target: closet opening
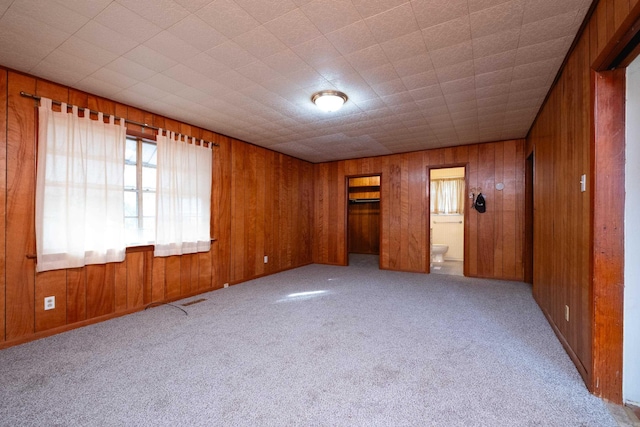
(363,220)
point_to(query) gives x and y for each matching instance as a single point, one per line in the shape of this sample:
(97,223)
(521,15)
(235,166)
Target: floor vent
(193,302)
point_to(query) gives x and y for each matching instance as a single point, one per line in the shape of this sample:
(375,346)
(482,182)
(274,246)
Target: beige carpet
(315,346)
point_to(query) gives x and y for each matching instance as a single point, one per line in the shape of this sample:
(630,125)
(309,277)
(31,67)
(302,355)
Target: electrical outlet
(49,303)
(226,285)
(566,313)
(266,259)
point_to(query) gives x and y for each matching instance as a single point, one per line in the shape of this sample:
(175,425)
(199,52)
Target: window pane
(131,231)
(149,204)
(131,223)
(149,178)
(130,203)
(130,177)
(149,230)
(149,156)
(130,152)
(140,214)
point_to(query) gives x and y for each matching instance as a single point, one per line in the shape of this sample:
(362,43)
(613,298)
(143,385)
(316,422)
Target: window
(79,189)
(140,191)
(447,196)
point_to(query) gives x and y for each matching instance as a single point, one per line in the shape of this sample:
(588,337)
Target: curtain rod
(133,122)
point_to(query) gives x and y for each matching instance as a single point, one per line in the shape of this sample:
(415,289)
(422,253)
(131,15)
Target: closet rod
(364,200)
(133,122)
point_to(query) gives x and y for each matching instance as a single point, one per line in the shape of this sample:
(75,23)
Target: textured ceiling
(419,74)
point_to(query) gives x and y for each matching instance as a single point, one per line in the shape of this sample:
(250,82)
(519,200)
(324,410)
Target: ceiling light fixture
(329,100)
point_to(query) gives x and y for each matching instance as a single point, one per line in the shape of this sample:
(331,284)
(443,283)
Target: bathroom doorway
(447,200)
(363,221)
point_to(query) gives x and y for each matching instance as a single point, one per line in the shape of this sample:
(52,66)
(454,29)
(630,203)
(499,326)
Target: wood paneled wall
(261,205)
(563,141)
(272,211)
(493,240)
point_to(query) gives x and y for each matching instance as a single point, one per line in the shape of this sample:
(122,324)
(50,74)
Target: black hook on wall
(478,201)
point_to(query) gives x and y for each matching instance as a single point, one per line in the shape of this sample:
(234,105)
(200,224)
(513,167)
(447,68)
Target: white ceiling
(419,74)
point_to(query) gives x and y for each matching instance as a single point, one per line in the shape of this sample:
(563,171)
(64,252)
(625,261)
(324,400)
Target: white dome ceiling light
(329,100)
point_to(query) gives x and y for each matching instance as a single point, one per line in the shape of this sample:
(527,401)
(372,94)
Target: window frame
(140,138)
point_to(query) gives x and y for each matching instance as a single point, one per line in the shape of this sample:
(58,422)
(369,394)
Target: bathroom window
(447,196)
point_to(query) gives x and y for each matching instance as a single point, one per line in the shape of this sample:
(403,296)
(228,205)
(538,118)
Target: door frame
(465,233)
(346,214)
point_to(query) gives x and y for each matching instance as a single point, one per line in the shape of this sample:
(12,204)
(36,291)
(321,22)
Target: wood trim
(349,247)
(528,218)
(608,232)
(618,53)
(565,344)
(87,322)
(3,196)
(246,279)
(465,228)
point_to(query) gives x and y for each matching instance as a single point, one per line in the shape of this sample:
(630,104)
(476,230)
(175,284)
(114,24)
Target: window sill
(147,248)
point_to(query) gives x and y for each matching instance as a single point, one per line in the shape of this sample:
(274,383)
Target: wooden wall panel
(158,289)
(172,277)
(76,295)
(404,208)
(100,290)
(417,211)
(3,196)
(135,279)
(471,229)
(237,209)
(221,261)
(271,211)
(20,199)
(487,246)
(185,275)
(50,284)
(395,215)
(564,142)
(120,287)
(147,296)
(204,271)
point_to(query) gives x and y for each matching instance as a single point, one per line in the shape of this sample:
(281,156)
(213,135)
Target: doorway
(363,220)
(528,219)
(631,313)
(447,199)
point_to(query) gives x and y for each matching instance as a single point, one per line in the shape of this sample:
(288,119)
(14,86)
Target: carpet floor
(314,346)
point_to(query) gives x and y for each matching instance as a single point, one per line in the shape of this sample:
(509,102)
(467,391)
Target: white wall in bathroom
(449,230)
(631,337)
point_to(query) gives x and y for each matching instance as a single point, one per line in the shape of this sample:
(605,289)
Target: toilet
(438,251)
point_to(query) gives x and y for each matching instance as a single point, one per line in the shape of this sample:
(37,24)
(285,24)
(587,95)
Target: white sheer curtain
(79,189)
(183,196)
(447,196)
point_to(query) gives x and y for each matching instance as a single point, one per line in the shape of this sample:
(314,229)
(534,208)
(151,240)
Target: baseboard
(582,370)
(235,282)
(65,328)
